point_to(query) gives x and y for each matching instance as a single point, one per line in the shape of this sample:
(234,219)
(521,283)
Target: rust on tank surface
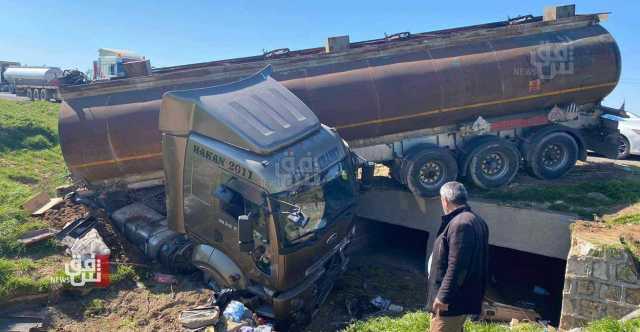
(109,130)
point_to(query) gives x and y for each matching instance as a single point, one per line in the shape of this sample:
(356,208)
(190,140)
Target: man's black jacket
(459,266)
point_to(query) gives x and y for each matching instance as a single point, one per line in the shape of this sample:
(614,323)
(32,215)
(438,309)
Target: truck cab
(266,193)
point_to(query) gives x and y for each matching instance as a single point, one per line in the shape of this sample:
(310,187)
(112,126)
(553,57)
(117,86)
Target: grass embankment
(30,162)
(585,199)
(419,322)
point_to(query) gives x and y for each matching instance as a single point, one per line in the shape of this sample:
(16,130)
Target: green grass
(94,307)
(419,322)
(630,219)
(16,278)
(30,161)
(610,325)
(574,197)
(413,321)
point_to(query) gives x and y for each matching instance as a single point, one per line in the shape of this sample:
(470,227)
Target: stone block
(600,270)
(610,292)
(578,266)
(617,311)
(626,272)
(585,287)
(632,295)
(568,322)
(568,305)
(591,309)
(567,285)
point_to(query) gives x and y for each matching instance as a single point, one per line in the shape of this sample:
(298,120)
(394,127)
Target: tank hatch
(257,114)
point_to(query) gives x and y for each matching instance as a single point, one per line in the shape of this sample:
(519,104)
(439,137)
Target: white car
(629,139)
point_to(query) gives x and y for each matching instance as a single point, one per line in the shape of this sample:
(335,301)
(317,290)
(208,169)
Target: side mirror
(245,233)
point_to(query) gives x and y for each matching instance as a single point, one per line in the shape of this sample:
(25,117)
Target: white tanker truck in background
(37,83)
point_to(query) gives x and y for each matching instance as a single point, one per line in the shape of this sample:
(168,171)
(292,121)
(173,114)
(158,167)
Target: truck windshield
(306,209)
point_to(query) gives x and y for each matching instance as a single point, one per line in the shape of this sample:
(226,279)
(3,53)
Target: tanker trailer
(37,83)
(476,102)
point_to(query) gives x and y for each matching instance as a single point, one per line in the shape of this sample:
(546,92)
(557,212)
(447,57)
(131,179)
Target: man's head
(453,195)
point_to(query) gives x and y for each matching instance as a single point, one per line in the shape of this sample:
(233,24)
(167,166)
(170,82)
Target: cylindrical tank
(109,130)
(32,75)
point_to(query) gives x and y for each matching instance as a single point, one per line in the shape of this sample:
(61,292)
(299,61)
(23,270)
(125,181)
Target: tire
(624,147)
(428,169)
(552,156)
(493,163)
(36,94)
(44,94)
(30,94)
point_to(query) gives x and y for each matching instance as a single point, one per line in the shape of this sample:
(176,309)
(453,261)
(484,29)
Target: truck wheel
(44,94)
(624,148)
(36,94)
(29,94)
(428,169)
(552,156)
(493,163)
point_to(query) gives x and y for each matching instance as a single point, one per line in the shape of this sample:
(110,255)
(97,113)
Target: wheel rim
(622,146)
(554,156)
(494,165)
(431,173)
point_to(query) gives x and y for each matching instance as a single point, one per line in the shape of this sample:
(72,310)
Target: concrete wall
(535,231)
(601,279)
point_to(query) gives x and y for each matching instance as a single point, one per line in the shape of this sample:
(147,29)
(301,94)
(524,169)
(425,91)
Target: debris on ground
(236,312)
(500,312)
(75,229)
(164,278)
(88,245)
(385,304)
(36,236)
(33,203)
(52,203)
(231,326)
(222,297)
(64,190)
(200,317)
(64,214)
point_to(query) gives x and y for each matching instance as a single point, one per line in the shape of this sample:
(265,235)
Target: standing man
(458,266)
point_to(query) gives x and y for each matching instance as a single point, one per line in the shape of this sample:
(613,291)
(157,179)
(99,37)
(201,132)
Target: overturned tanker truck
(478,102)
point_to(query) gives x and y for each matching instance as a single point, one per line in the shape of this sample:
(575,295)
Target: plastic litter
(385,304)
(540,291)
(263,328)
(163,278)
(380,302)
(260,328)
(235,326)
(199,317)
(90,243)
(235,311)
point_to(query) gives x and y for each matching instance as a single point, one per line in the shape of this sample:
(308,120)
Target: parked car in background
(629,137)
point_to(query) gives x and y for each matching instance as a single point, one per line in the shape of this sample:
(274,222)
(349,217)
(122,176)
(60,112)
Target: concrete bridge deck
(535,231)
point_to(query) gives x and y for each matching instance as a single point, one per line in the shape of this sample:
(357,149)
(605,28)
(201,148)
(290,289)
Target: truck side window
(234,204)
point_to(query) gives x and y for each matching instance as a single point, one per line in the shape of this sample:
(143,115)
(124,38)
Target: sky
(67,34)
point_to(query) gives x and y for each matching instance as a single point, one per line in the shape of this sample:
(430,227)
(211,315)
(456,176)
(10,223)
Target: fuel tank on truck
(404,82)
